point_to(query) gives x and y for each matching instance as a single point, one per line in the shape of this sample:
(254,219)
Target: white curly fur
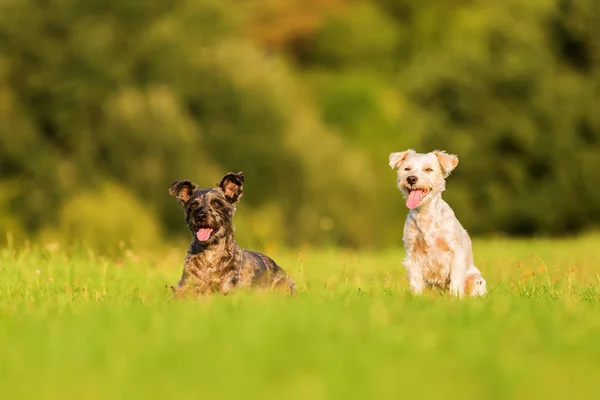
(438,249)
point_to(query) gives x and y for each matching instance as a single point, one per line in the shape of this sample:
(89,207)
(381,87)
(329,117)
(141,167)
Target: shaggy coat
(214,262)
(438,249)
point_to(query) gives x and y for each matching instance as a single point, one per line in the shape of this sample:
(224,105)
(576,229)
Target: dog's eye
(407,169)
(428,169)
(216,203)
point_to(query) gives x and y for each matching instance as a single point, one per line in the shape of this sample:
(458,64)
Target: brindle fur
(218,264)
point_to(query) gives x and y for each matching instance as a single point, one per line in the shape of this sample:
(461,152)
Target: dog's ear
(447,161)
(232,186)
(396,159)
(183,190)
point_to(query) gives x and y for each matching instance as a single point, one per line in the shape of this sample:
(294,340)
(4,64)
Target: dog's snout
(201,215)
(412,180)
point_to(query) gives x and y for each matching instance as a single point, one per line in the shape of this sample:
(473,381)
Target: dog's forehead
(200,193)
(422,158)
(207,193)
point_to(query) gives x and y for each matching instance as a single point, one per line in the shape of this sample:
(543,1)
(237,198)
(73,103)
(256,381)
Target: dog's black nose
(412,180)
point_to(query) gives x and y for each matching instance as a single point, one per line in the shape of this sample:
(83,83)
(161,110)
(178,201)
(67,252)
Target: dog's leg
(457,284)
(458,273)
(415,276)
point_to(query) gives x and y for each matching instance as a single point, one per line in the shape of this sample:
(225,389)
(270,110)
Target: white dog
(438,248)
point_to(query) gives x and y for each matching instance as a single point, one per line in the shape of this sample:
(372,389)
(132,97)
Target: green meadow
(75,324)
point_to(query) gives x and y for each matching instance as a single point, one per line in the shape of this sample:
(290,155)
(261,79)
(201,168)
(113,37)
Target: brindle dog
(215,263)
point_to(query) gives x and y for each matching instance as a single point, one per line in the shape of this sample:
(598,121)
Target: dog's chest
(429,249)
(212,272)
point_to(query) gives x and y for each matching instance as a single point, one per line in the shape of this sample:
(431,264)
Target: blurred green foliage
(104,104)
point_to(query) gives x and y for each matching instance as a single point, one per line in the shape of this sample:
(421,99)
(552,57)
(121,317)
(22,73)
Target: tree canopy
(105,103)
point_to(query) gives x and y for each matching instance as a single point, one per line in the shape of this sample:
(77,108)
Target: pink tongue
(203,234)
(414,198)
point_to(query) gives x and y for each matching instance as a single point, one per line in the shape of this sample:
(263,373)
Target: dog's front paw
(475,286)
(480,288)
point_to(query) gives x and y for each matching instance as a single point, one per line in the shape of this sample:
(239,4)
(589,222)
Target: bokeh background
(103,104)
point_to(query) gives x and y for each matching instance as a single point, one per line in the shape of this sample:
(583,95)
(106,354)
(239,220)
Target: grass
(77,325)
